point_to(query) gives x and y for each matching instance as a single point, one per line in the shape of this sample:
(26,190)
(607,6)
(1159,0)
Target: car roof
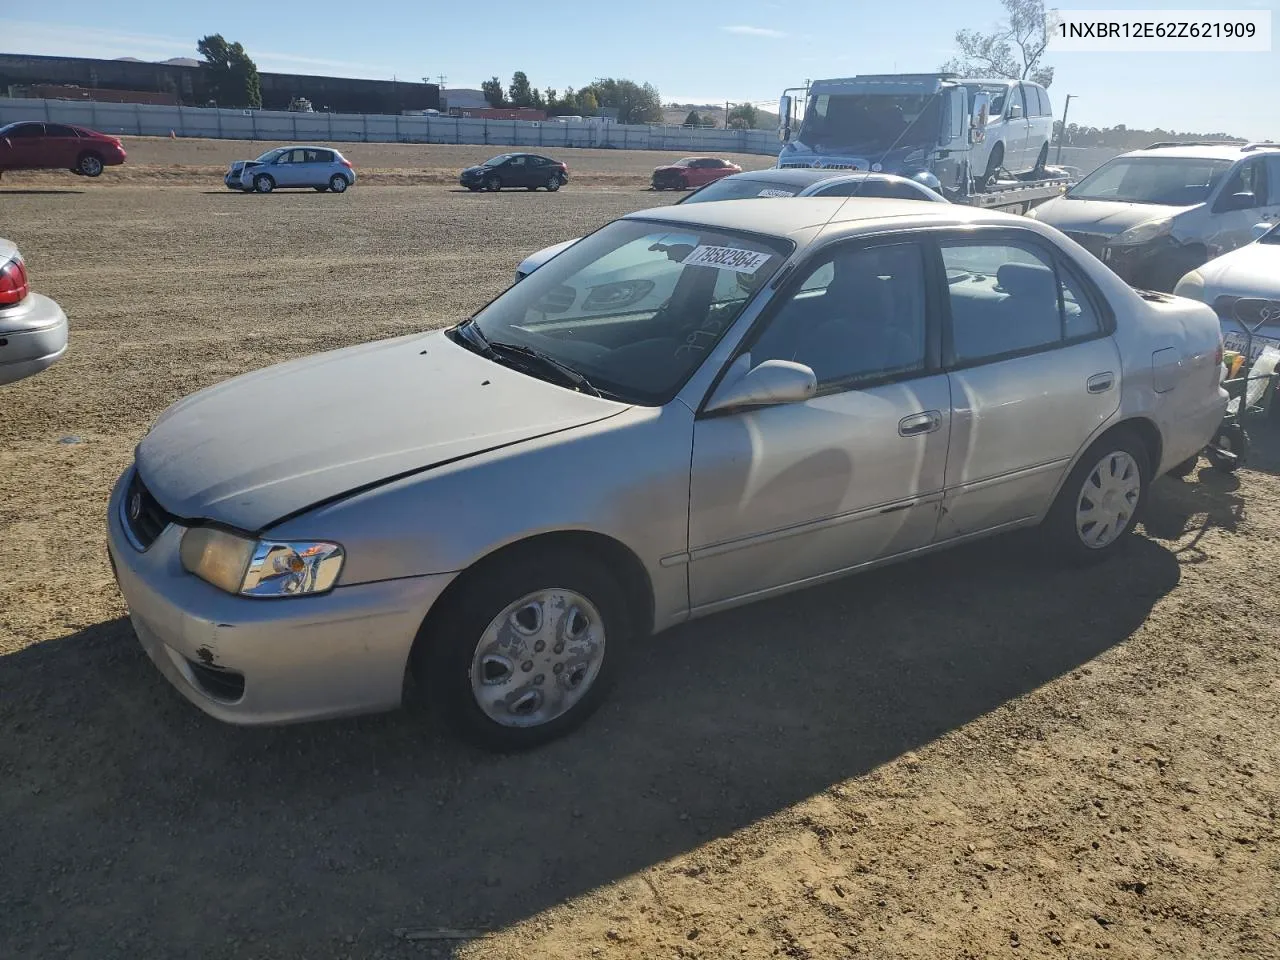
(808,176)
(799,213)
(1220,151)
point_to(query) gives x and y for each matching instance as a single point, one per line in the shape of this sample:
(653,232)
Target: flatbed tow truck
(943,130)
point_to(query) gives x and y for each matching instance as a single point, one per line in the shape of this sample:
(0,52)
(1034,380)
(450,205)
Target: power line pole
(1062,133)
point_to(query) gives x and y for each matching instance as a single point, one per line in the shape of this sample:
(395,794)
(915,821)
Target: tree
(588,105)
(744,116)
(1012,50)
(493,94)
(521,92)
(233,74)
(693,120)
(635,103)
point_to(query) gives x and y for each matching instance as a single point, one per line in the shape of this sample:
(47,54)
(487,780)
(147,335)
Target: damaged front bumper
(255,661)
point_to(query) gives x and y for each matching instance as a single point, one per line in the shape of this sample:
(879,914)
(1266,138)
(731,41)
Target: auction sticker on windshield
(774,192)
(727,258)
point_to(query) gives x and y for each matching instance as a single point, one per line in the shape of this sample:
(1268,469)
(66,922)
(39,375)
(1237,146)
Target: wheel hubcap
(1108,500)
(538,658)
(91,166)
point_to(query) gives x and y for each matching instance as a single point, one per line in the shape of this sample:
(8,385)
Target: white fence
(130,119)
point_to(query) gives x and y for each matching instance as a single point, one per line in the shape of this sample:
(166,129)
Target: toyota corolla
(499,508)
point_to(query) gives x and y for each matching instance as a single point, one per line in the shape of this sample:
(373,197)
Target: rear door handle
(919,423)
(1101,382)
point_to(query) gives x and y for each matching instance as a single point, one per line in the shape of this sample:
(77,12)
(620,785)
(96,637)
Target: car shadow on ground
(133,825)
(38,193)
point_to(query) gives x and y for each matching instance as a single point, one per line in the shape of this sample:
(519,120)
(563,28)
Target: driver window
(856,318)
(517,161)
(1249,178)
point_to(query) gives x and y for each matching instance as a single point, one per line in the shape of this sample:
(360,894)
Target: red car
(31,145)
(692,172)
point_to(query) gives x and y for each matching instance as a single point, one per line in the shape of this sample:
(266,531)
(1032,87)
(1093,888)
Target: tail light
(14,285)
(347,163)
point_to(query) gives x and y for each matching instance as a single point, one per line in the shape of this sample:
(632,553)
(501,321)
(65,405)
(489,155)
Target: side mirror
(771,382)
(784,118)
(978,118)
(1260,230)
(1015,111)
(1238,201)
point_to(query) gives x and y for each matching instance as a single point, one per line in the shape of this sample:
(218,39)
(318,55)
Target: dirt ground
(973,755)
(153,160)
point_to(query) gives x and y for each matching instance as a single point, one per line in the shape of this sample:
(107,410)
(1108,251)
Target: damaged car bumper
(250,661)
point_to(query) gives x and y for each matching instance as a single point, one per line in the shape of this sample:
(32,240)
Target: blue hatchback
(321,168)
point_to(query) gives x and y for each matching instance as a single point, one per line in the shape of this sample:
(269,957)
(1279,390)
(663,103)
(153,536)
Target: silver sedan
(499,508)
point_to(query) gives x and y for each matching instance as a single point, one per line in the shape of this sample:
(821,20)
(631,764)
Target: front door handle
(919,423)
(1101,382)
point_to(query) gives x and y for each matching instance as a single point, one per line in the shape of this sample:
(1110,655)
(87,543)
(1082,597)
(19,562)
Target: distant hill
(675,114)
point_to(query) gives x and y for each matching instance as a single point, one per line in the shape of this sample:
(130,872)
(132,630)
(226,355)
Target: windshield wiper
(547,362)
(470,334)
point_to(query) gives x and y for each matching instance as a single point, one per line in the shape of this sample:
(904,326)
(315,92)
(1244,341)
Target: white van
(1019,128)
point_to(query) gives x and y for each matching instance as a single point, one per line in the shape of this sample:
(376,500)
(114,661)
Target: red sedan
(31,145)
(692,172)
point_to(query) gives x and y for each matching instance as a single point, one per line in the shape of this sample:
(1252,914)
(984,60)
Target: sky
(746,51)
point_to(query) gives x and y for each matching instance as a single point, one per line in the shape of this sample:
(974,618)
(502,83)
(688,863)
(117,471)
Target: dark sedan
(528,170)
(31,145)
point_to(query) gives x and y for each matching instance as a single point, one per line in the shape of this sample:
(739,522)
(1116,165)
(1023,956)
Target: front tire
(493,184)
(1102,499)
(263,183)
(524,649)
(89,165)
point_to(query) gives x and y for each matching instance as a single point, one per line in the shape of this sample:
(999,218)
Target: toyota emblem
(135,506)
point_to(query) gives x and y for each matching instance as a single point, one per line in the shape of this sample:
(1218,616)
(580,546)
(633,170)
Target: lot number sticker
(774,192)
(727,258)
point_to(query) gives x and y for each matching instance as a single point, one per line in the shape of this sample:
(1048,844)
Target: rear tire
(555,183)
(477,630)
(1102,499)
(263,183)
(338,183)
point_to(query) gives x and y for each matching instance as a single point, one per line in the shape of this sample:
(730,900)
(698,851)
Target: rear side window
(877,189)
(319,156)
(58,130)
(1008,299)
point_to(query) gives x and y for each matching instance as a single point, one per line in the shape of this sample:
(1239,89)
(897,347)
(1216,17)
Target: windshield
(636,306)
(736,188)
(270,155)
(872,120)
(1168,181)
(494,161)
(1271,236)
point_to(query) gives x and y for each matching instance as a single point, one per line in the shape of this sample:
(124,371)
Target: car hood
(669,168)
(478,168)
(257,448)
(1106,217)
(1251,271)
(534,260)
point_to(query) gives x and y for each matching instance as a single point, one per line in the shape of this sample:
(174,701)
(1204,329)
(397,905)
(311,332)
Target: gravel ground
(973,755)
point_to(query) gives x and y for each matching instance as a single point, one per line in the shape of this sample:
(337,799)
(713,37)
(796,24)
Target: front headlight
(260,568)
(1143,232)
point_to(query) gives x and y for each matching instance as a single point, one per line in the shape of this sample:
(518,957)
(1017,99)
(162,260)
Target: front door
(289,169)
(516,172)
(1233,228)
(786,494)
(1034,372)
(24,147)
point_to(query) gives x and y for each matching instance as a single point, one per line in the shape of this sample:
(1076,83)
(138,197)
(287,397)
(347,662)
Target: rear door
(1034,371)
(1019,131)
(318,167)
(62,144)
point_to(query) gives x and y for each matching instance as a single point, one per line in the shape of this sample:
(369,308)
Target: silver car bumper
(248,661)
(33,336)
